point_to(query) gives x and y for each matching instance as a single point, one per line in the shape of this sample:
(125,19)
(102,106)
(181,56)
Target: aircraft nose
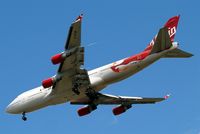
(9,109)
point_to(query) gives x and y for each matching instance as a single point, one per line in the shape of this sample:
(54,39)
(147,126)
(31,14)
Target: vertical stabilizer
(162,42)
(171,26)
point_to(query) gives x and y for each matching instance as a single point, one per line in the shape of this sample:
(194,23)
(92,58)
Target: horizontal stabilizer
(177,53)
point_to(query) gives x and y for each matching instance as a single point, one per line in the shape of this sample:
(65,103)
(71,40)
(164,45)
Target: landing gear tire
(24,118)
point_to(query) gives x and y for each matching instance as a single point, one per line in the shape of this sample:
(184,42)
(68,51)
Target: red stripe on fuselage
(137,57)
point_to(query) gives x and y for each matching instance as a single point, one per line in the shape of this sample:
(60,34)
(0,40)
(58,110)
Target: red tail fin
(171,24)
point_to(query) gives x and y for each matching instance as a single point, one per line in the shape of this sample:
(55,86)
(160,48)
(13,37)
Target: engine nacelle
(120,109)
(51,81)
(48,82)
(58,58)
(86,110)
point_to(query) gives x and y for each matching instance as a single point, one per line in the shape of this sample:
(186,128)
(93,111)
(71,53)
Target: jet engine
(50,81)
(58,58)
(120,109)
(86,110)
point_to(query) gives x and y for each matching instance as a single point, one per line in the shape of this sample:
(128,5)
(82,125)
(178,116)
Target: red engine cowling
(58,58)
(84,111)
(48,82)
(120,109)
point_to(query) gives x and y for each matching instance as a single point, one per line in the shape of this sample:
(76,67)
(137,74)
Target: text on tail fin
(172,24)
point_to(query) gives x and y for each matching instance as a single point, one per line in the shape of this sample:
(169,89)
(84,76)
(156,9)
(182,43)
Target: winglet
(79,18)
(167,96)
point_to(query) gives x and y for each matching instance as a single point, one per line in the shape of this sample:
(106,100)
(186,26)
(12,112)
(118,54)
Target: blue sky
(32,31)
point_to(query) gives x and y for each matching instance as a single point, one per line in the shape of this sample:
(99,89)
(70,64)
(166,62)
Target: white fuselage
(100,78)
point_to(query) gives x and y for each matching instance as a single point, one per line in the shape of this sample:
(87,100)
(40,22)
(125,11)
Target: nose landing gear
(24,118)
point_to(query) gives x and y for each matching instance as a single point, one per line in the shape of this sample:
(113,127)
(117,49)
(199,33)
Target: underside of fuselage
(99,80)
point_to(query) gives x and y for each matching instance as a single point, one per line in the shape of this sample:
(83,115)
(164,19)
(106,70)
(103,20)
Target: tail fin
(162,42)
(171,26)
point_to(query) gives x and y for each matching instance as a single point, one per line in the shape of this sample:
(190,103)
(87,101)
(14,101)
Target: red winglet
(167,96)
(79,18)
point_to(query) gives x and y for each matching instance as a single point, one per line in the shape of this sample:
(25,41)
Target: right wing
(106,99)
(123,102)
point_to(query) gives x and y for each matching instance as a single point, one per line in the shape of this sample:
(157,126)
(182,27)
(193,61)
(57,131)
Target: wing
(70,67)
(72,45)
(74,34)
(124,103)
(106,99)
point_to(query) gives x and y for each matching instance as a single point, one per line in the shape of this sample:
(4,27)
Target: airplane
(78,86)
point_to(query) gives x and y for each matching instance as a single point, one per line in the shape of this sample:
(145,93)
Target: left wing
(70,60)
(124,102)
(74,34)
(73,47)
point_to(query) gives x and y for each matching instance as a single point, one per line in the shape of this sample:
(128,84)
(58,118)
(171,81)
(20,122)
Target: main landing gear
(24,118)
(80,81)
(91,94)
(75,89)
